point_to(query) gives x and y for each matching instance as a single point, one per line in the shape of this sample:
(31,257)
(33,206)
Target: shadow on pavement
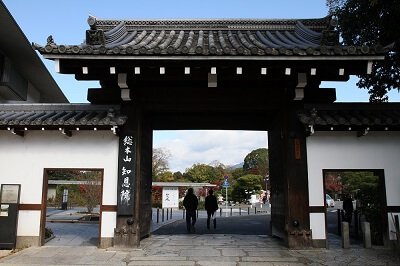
(242,225)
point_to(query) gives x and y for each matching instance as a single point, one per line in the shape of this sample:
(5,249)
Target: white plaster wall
(23,161)
(318,228)
(344,150)
(108,223)
(28,223)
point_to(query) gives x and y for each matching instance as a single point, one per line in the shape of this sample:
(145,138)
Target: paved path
(240,225)
(199,250)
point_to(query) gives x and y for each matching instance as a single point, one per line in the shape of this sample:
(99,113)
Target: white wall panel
(28,223)
(23,161)
(344,150)
(317,224)
(108,223)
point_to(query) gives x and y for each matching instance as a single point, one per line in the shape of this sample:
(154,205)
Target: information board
(170,197)
(9,193)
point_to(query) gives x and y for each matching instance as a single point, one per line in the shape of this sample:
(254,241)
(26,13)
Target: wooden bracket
(18,132)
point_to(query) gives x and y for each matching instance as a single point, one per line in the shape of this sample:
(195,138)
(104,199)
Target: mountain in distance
(239,165)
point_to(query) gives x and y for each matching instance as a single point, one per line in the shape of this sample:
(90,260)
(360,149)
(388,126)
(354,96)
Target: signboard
(4,210)
(10,193)
(170,197)
(126,172)
(225,184)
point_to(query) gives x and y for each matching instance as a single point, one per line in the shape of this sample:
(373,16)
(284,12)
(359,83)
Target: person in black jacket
(211,207)
(348,208)
(190,203)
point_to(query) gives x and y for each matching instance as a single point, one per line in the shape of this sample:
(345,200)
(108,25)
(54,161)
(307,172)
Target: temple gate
(212,74)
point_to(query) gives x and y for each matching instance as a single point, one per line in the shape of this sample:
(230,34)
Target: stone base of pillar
(299,239)
(366,230)
(345,235)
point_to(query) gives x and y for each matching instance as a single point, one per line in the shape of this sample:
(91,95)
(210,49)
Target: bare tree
(160,162)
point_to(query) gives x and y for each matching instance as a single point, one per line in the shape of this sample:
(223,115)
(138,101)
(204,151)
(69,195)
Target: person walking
(211,207)
(348,209)
(190,203)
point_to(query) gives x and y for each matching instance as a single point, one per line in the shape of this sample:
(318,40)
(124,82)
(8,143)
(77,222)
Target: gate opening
(72,214)
(234,164)
(355,196)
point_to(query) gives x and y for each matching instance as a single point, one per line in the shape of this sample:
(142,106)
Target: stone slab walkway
(199,250)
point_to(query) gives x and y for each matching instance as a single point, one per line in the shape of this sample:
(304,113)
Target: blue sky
(67,23)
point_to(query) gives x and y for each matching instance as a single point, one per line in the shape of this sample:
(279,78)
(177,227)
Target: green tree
(372,22)
(165,177)
(256,162)
(238,172)
(370,206)
(201,173)
(248,183)
(63,174)
(352,181)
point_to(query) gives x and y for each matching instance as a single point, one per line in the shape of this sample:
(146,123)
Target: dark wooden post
(127,231)
(289,178)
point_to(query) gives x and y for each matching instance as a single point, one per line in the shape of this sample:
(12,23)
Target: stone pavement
(198,250)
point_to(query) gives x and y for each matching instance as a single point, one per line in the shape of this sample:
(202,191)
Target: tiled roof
(210,37)
(339,116)
(59,115)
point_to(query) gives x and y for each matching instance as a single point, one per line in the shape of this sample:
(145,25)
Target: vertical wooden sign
(297,151)
(126,172)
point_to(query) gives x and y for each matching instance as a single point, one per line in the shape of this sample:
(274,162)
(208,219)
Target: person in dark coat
(348,209)
(190,203)
(211,206)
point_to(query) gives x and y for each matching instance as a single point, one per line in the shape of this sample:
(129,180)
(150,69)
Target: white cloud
(205,146)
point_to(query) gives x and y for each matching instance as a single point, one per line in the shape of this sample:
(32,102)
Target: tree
(333,183)
(256,162)
(372,23)
(160,163)
(63,174)
(247,183)
(90,189)
(352,181)
(165,177)
(201,173)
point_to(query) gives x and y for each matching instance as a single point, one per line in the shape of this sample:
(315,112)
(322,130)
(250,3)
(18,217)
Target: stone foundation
(27,241)
(319,243)
(106,242)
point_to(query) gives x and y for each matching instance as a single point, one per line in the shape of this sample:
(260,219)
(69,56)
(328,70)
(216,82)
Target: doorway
(355,196)
(71,212)
(194,158)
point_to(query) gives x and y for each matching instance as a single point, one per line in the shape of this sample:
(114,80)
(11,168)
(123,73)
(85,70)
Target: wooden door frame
(45,193)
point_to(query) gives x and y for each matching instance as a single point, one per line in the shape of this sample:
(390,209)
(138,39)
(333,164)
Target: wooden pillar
(289,178)
(127,231)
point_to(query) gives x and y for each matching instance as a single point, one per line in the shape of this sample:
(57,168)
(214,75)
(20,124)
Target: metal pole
(255,210)
(226,202)
(339,222)
(248,210)
(162,216)
(240,211)
(158,214)
(231,211)
(183,215)
(220,212)
(170,217)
